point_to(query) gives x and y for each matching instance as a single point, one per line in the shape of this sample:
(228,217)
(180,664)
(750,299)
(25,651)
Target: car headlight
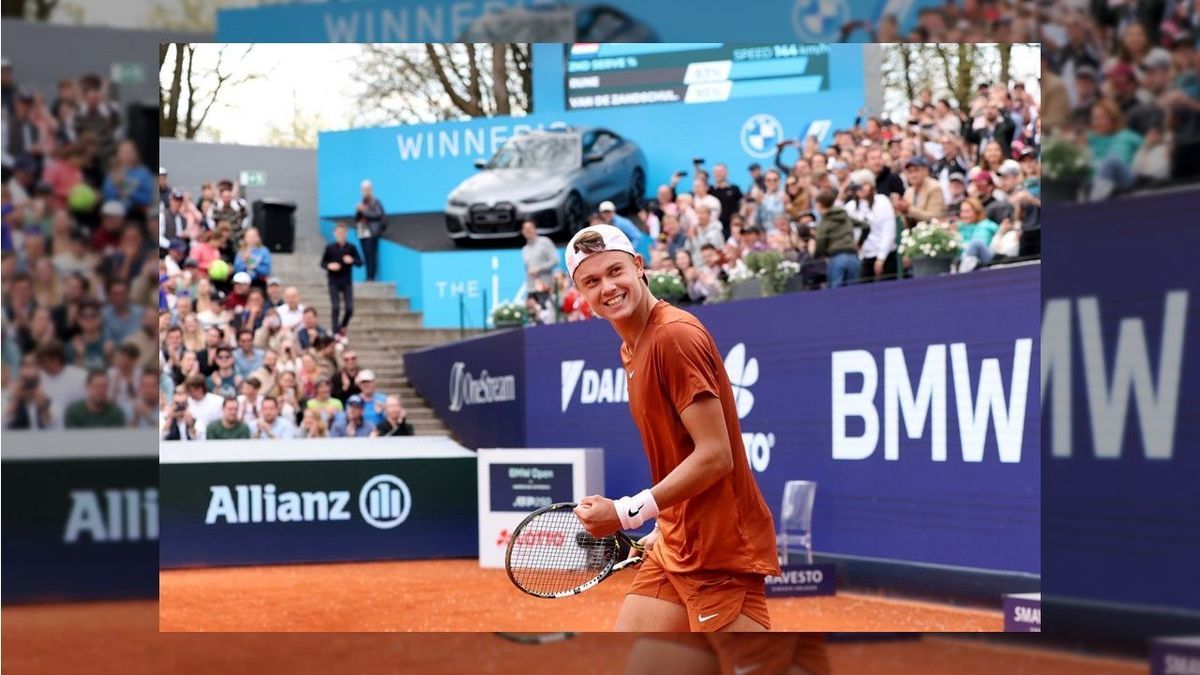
(541,197)
(457,201)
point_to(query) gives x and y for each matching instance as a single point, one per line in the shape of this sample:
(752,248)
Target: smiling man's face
(612,283)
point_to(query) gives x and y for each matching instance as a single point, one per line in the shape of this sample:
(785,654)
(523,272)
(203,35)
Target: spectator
(924,199)
(247,358)
(274,292)
(228,426)
(95,411)
(977,232)
(121,318)
(774,200)
(235,301)
(879,248)
(351,423)
(253,314)
(706,230)
(253,259)
(98,115)
(288,394)
(291,312)
(641,242)
(539,254)
(308,334)
(338,260)
(123,377)
(1113,147)
(27,405)
(89,349)
(312,426)
(231,209)
(129,181)
(179,422)
(344,384)
(250,401)
(271,424)
(370,222)
(835,240)
(267,370)
(224,380)
(324,403)
(395,421)
(728,195)
(143,411)
(205,407)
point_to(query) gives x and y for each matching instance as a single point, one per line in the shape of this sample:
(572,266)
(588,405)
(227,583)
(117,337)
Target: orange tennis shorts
(712,599)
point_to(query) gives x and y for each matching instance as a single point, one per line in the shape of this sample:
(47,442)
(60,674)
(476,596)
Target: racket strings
(554,554)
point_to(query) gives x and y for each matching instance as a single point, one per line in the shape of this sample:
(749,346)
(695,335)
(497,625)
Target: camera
(180,406)
(697,160)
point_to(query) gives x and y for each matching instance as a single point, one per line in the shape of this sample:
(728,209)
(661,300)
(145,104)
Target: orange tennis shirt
(728,527)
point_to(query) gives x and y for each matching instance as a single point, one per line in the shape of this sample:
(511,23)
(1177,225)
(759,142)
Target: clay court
(121,638)
(456,595)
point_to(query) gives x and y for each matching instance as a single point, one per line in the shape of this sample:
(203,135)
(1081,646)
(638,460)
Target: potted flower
(774,270)
(667,285)
(509,315)
(931,245)
(742,283)
(1065,167)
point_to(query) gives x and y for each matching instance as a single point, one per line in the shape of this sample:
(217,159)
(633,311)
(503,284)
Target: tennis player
(714,541)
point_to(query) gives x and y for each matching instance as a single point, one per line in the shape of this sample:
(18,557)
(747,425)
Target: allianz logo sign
(609,385)
(384,502)
(468,390)
(112,515)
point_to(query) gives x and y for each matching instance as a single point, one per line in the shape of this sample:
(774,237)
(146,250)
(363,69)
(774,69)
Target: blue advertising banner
(913,405)
(415,167)
(80,516)
(529,487)
(477,386)
(1121,523)
(248,503)
(448,20)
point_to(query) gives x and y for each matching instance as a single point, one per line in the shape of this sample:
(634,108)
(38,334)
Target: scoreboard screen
(610,75)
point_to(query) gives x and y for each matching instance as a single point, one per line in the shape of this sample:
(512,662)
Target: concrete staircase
(383,328)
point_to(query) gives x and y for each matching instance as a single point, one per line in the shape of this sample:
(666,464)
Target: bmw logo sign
(815,20)
(760,134)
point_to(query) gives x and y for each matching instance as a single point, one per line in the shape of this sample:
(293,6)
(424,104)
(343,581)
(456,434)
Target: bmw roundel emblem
(760,134)
(817,20)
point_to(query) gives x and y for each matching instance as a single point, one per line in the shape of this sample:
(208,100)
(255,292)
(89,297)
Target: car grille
(491,219)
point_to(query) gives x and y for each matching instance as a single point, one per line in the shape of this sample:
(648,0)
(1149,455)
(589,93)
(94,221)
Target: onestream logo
(384,502)
(468,390)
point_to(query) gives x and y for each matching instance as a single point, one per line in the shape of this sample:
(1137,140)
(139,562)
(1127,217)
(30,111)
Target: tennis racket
(551,555)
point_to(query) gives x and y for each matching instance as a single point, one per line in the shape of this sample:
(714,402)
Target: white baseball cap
(241,278)
(607,206)
(614,240)
(365,375)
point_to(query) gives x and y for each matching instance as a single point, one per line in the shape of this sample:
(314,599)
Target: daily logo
(383,502)
(466,389)
(610,385)
(760,134)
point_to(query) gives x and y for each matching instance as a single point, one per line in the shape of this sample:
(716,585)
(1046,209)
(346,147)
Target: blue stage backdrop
(913,405)
(1121,516)
(446,20)
(414,167)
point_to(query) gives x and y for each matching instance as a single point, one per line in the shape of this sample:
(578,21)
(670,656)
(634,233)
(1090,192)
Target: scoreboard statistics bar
(609,75)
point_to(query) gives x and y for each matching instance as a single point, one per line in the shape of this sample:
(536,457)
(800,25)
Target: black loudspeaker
(276,222)
(141,127)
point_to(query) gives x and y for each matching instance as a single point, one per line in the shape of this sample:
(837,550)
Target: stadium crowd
(78,265)
(838,212)
(1122,84)
(241,355)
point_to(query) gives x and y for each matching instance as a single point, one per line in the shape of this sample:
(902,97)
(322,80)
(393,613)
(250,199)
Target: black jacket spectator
(334,253)
(385,428)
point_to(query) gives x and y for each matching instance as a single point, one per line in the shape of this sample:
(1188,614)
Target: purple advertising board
(476,386)
(913,405)
(1121,514)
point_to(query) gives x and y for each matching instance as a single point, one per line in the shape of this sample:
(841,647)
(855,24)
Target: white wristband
(635,510)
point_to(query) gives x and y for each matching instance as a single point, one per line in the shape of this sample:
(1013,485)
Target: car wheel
(637,188)
(574,217)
